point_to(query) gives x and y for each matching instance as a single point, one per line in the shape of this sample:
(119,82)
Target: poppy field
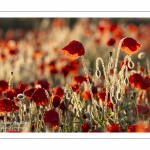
(79,75)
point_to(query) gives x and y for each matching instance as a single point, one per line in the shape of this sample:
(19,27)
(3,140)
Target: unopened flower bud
(86,115)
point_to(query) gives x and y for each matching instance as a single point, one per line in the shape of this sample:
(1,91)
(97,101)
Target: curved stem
(115,69)
(106,79)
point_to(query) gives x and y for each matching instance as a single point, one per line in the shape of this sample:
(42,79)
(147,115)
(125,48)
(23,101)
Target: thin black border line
(75,12)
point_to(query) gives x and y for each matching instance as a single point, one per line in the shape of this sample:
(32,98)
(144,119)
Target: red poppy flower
(101,95)
(11,94)
(138,127)
(130,45)
(55,100)
(58,91)
(3,57)
(88,32)
(94,90)
(3,85)
(103,25)
(22,87)
(139,82)
(113,128)
(69,70)
(86,95)
(13,52)
(133,28)
(116,31)
(111,41)
(2,118)
(57,22)
(97,41)
(147,80)
(62,105)
(73,50)
(85,127)
(7,105)
(9,34)
(51,118)
(44,84)
(42,67)
(141,109)
(86,115)
(37,54)
(75,87)
(28,93)
(39,97)
(136,79)
(79,79)
(65,70)
(52,67)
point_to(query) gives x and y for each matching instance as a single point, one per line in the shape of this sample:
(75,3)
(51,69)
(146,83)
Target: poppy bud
(130,64)
(141,55)
(86,115)
(110,54)
(90,124)
(20,96)
(98,73)
(134,94)
(114,100)
(126,81)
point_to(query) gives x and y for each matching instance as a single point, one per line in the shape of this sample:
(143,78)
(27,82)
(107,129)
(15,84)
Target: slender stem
(115,69)
(89,86)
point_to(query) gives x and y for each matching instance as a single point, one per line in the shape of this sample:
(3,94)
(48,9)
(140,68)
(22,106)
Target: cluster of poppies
(59,93)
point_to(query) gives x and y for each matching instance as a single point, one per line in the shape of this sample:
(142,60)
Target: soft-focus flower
(86,115)
(44,84)
(75,87)
(73,50)
(55,99)
(3,85)
(28,93)
(11,94)
(85,127)
(139,81)
(37,54)
(62,106)
(7,105)
(86,95)
(101,95)
(113,128)
(39,97)
(58,91)
(141,109)
(22,87)
(51,118)
(138,127)
(111,41)
(79,79)
(52,67)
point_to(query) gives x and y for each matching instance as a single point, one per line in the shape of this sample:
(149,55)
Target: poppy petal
(130,45)
(73,50)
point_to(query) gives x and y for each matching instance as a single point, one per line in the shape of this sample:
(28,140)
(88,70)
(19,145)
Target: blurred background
(31,47)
